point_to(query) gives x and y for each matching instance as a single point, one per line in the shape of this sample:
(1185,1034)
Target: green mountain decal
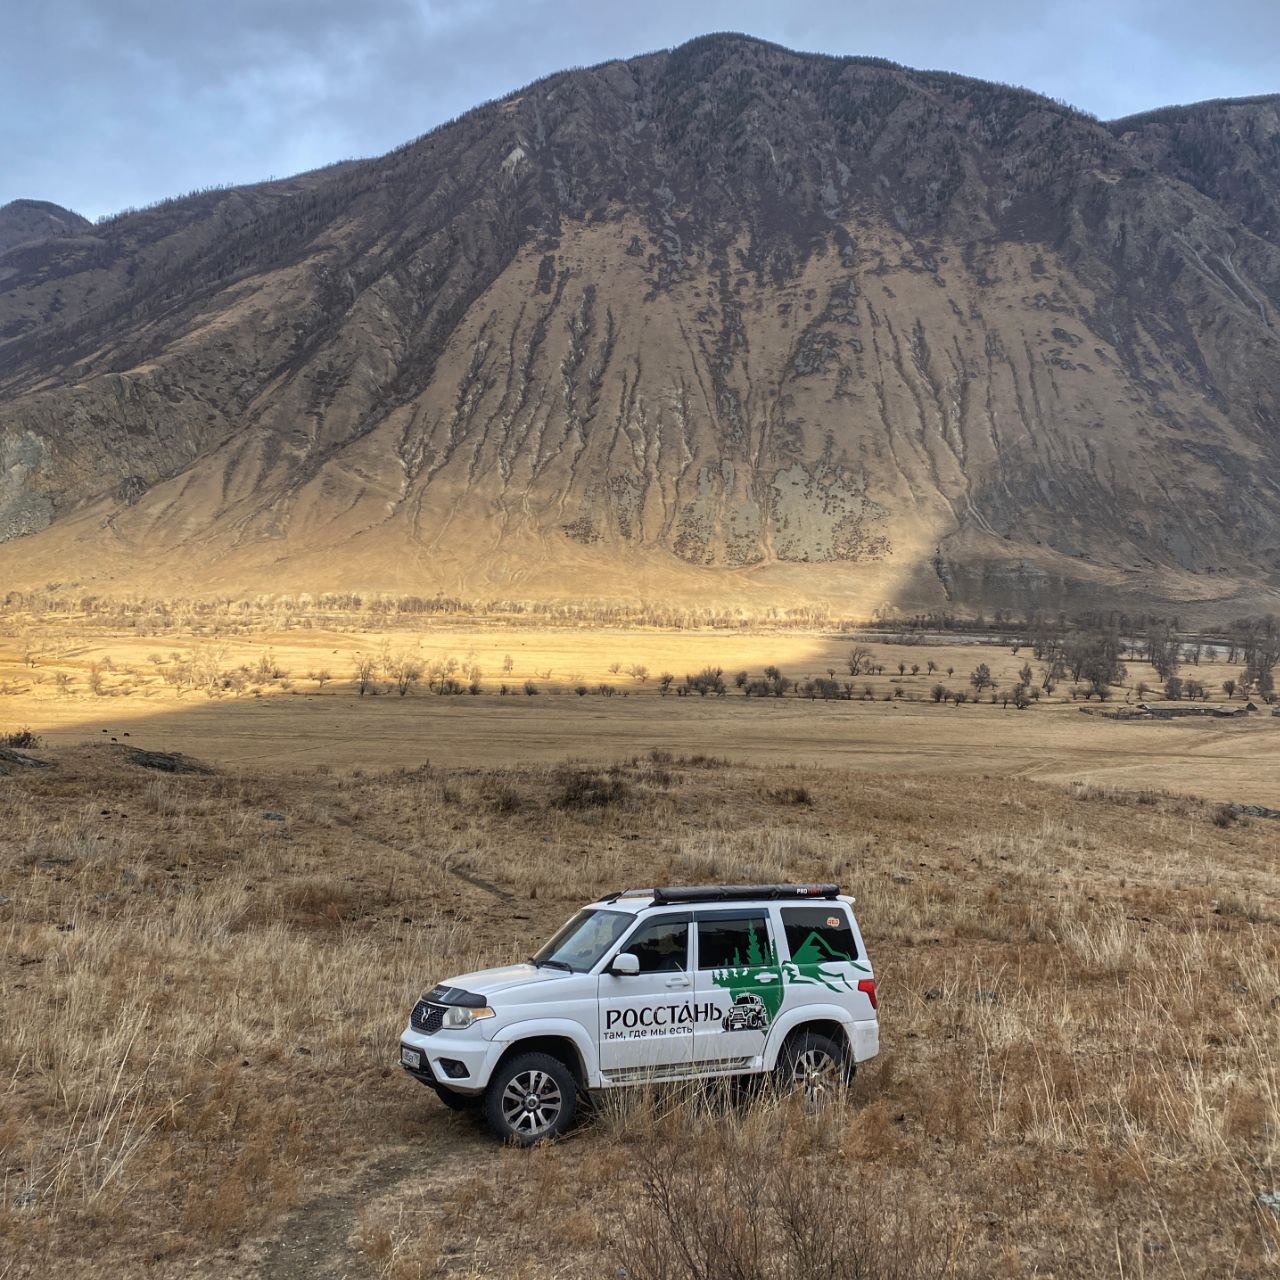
(814,963)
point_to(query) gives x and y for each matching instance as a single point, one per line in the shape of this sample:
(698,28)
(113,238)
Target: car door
(738,972)
(646,1018)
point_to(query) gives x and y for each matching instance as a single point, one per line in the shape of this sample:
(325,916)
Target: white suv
(648,985)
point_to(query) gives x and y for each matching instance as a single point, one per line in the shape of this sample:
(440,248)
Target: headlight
(456,1017)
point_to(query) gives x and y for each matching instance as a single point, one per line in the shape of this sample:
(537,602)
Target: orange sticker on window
(834,922)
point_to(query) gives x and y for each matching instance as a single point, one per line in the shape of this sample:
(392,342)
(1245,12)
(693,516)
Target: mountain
(25,220)
(720,324)
(1228,150)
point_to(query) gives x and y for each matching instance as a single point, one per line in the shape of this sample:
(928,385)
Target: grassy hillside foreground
(206,973)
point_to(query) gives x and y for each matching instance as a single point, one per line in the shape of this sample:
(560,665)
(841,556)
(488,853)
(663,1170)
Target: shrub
(711,1208)
(791,795)
(587,789)
(20,738)
(503,799)
(530,688)
(708,680)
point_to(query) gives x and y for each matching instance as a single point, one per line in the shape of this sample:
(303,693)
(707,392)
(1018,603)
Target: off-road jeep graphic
(748,1013)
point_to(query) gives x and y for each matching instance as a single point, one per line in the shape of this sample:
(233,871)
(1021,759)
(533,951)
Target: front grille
(426,1017)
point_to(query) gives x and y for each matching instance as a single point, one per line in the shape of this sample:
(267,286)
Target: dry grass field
(205,977)
(72,679)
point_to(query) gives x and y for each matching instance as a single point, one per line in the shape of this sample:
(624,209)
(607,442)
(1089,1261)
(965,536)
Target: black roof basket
(729,893)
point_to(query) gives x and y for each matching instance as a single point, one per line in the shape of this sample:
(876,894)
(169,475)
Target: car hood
(488,982)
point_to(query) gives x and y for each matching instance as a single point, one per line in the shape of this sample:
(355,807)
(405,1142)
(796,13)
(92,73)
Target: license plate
(410,1058)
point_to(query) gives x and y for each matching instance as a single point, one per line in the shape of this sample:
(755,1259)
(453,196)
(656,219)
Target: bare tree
(366,674)
(859,661)
(404,671)
(31,649)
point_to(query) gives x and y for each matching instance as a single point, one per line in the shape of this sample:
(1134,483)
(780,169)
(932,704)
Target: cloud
(119,102)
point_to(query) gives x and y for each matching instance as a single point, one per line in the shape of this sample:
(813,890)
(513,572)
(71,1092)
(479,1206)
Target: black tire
(814,1063)
(531,1097)
(458,1101)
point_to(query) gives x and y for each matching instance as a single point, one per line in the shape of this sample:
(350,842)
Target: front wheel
(815,1065)
(531,1097)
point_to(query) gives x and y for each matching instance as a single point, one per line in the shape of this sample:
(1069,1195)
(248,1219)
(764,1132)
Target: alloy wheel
(531,1103)
(817,1073)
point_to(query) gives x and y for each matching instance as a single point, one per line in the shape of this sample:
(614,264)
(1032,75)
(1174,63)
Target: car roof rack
(728,893)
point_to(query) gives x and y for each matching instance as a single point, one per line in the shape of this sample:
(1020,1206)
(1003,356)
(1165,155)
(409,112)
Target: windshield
(581,943)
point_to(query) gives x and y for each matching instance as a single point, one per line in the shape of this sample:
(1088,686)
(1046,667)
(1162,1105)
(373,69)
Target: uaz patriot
(649,985)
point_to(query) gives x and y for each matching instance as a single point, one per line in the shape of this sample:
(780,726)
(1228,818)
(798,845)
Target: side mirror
(625,965)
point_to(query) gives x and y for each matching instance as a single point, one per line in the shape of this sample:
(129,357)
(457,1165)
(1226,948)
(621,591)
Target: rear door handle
(677,982)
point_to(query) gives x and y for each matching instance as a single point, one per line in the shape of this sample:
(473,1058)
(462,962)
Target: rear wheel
(815,1065)
(531,1097)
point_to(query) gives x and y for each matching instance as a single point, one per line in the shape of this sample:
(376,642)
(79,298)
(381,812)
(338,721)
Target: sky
(106,104)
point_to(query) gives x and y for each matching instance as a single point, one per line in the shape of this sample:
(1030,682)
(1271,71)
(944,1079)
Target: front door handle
(677,982)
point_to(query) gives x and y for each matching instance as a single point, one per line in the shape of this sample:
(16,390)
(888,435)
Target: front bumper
(462,1063)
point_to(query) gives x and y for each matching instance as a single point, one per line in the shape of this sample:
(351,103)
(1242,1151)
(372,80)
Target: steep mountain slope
(1229,150)
(25,220)
(725,322)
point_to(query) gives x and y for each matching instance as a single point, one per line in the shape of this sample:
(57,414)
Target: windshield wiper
(551,964)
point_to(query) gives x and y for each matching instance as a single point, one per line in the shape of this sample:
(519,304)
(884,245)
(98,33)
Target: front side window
(661,946)
(583,941)
(738,943)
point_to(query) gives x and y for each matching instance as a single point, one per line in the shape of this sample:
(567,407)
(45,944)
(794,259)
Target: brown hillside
(721,323)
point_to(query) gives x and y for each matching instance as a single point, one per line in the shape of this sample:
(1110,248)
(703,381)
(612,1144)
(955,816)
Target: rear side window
(742,942)
(818,935)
